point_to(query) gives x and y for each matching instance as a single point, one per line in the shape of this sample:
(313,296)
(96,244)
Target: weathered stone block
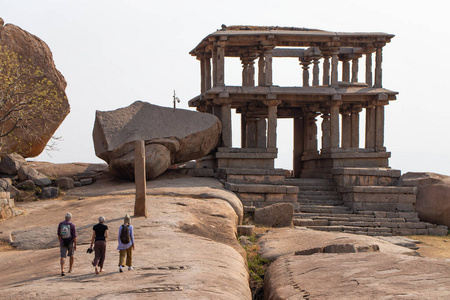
(438,231)
(65,183)
(405,207)
(277,215)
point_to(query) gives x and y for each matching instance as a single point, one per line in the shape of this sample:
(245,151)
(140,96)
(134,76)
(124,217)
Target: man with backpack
(67,235)
(126,244)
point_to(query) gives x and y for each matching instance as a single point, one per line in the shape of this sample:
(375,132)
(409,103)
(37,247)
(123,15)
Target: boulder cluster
(18,176)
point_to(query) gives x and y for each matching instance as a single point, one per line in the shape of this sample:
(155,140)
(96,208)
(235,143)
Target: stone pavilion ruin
(346,175)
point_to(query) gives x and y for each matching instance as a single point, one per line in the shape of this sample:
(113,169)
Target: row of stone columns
(330,70)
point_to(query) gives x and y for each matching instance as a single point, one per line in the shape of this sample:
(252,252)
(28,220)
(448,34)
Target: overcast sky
(114,52)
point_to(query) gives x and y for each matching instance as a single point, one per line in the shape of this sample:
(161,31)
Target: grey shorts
(66,251)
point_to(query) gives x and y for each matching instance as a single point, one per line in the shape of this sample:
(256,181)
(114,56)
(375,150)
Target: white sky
(113,52)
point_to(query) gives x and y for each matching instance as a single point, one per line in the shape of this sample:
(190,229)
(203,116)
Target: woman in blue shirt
(126,244)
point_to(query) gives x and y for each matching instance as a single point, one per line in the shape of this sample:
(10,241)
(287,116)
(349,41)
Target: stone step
(319,193)
(318,202)
(325,209)
(319,197)
(354,230)
(261,188)
(314,188)
(316,182)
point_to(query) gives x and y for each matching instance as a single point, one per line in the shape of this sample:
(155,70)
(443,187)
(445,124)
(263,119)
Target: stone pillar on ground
(298,147)
(140,209)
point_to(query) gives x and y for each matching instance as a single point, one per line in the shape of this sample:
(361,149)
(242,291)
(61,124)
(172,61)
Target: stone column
(354,130)
(214,63)
(378,62)
(261,140)
(379,128)
(261,71)
(268,66)
(251,132)
(346,130)
(305,65)
(243,131)
(248,71)
(326,69)
(355,67)
(298,147)
(370,127)
(272,124)
(226,125)
(345,68)
(221,63)
(315,71)
(369,69)
(310,133)
(202,74)
(207,73)
(334,126)
(326,143)
(140,209)
(334,68)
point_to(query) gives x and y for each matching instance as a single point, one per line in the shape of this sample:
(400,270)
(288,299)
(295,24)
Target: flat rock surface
(393,272)
(185,249)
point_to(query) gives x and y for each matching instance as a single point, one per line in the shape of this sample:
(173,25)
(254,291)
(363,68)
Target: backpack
(125,234)
(65,234)
(65,231)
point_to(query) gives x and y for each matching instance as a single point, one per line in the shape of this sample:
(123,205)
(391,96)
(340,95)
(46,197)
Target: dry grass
(433,246)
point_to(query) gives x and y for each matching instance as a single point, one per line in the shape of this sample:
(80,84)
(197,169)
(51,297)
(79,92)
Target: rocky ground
(187,249)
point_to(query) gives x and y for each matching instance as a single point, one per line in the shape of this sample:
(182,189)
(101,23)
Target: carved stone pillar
(272,124)
(334,126)
(261,133)
(251,132)
(214,63)
(370,127)
(220,63)
(346,70)
(355,67)
(268,66)
(315,71)
(346,130)
(326,69)
(298,147)
(379,128)
(305,66)
(334,68)
(354,129)
(369,68)
(226,125)
(261,71)
(378,62)
(326,143)
(205,65)
(310,133)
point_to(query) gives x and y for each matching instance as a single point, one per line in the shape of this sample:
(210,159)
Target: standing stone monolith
(140,209)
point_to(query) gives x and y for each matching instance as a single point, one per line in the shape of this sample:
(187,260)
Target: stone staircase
(320,206)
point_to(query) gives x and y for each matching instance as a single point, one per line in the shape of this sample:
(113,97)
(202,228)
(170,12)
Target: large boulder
(171,136)
(34,55)
(433,196)
(11,163)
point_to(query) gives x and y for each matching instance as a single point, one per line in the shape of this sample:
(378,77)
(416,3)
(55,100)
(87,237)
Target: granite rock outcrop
(171,137)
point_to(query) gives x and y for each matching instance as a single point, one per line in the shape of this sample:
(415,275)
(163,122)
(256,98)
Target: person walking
(67,235)
(99,236)
(126,244)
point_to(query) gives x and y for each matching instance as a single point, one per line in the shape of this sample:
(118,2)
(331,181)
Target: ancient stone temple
(339,81)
